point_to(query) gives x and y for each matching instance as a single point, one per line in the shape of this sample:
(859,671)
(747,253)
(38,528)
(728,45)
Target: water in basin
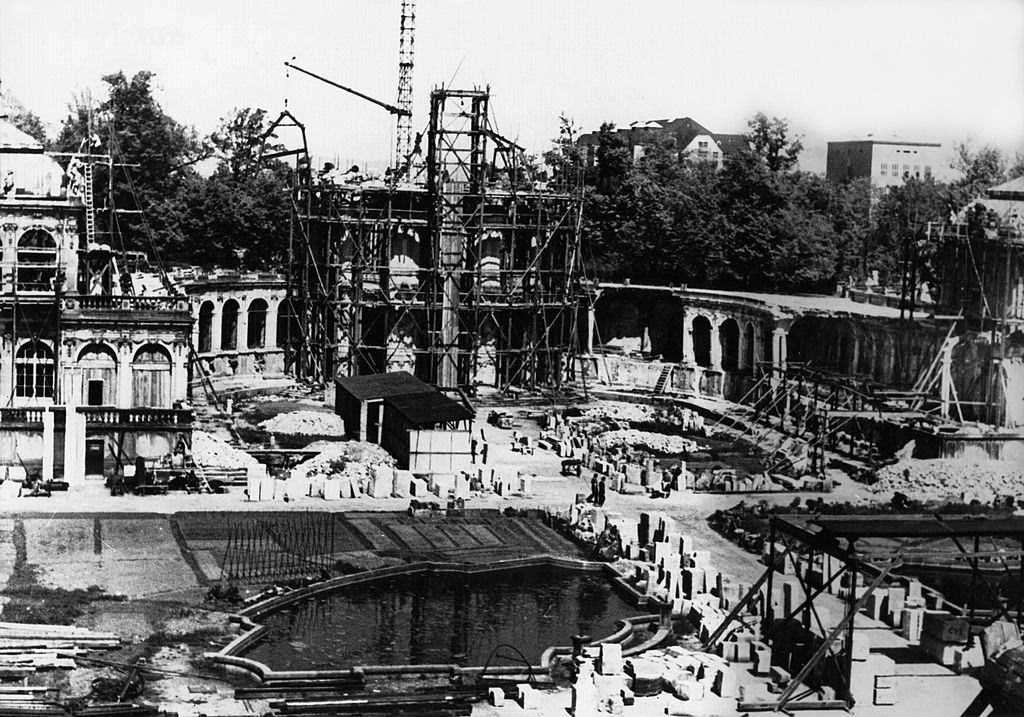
(442,618)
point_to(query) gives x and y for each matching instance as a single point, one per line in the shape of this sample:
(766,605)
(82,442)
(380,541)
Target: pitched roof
(13,139)
(1014,189)
(382,385)
(427,409)
(731,143)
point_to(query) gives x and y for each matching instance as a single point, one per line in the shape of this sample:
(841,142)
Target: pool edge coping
(252,631)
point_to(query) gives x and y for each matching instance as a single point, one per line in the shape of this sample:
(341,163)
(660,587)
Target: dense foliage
(236,215)
(758,223)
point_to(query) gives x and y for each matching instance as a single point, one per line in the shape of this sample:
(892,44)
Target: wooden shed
(425,430)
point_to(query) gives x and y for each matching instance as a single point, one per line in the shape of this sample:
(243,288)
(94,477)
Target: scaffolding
(469,277)
(816,554)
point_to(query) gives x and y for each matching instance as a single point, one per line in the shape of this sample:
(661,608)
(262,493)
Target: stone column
(216,322)
(591,327)
(242,329)
(854,354)
(271,324)
(124,374)
(74,429)
(196,309)
(946,376)
(179,373)
(779,347)
(7,371)
(688,355)
(716,341)
(48,447)
(758,344)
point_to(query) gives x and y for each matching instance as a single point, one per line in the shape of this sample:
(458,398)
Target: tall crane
(403,135)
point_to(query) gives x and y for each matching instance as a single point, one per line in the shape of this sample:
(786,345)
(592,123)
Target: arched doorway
(99,375)
(729,338)
(702,341)
(257,326)
(37,261)
(151,377)
(34,367)
(206,327)
(229,326)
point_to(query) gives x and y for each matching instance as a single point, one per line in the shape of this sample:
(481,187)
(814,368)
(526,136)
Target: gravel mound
(212,452)
(654,442)
(942,478)
(305,423)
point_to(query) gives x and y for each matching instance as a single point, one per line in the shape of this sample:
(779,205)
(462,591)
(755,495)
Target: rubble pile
(657,443)
(621,412)
(305,423)
(352,460)
(212,452)
(942,478)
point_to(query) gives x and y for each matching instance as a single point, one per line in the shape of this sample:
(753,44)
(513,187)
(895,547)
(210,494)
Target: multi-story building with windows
(887,163)
(683,134)
(91,374)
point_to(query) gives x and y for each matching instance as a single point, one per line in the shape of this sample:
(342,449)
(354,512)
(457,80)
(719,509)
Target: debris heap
(943,478)
(212,452)
(305,423)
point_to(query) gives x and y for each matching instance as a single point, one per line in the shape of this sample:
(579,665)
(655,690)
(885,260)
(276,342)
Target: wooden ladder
(663,377)
(90,208)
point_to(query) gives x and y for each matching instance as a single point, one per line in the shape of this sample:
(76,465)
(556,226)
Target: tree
(981,170)
(1017,168)
(239,141)
(566,157)
(770,141)
(153,158)
(240,215)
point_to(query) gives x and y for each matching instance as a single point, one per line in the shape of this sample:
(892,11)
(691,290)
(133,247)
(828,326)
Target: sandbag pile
(657,443)
(212,452)
(944,478)
(305,423)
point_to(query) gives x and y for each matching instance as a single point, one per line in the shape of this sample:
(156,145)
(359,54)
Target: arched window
(151,377)
(99,375)
(257,328)
(205,327)
(34,366)
(229,326)
(37,261)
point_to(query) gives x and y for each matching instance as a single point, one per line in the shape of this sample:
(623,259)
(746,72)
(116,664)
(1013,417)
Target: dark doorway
(95,397)
(373,416)
(94,457)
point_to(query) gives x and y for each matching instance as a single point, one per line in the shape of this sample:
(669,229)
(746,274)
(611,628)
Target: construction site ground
(155,557)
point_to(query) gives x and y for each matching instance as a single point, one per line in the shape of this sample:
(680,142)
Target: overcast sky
(941,70)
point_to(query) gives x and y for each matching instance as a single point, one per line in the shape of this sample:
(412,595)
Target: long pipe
(390,108)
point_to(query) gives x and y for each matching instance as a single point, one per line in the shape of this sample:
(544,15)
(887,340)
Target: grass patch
(51,606)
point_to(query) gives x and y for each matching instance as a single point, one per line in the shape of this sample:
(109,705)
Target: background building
(885,162)
(683,134)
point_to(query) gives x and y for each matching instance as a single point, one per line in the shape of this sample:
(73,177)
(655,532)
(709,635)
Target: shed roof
(381,385)
(427,409)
